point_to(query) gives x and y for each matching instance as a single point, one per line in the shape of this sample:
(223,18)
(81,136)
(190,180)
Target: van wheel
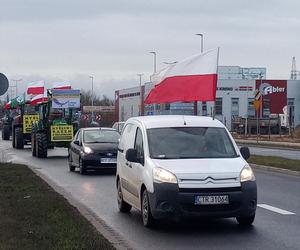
(147,217)
(124,207)
(246,221)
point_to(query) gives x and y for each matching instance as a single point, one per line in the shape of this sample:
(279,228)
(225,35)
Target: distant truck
(275,124)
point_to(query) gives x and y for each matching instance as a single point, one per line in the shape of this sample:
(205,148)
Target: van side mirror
(131,155)
(245,152)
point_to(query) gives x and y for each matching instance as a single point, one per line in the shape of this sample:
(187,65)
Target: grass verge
(275,161)
(34,216)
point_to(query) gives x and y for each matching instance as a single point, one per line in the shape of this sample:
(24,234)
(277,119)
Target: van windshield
(190,142)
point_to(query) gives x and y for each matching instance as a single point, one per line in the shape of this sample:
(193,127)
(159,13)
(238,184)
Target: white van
(175,166)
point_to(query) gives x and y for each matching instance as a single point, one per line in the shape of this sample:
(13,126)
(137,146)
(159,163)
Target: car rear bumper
(168,201)
(94,162)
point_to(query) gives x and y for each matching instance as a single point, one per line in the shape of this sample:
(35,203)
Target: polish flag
(35,88)
(192,79)
(61,85)
(40,98)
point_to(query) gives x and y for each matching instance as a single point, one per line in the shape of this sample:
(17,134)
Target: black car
(94,148)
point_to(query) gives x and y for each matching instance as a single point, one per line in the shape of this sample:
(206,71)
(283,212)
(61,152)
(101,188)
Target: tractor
(56,125)
(21,125)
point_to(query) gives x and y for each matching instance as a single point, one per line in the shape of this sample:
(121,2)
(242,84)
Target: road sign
(98,117)
(102,109)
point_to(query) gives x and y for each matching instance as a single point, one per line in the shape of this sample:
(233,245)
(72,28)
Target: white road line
(275,209)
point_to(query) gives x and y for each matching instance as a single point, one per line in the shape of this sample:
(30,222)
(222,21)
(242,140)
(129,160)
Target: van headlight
(247,174)
(162,175)
(87,150)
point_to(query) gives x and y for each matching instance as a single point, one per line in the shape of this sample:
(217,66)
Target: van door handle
(128,165)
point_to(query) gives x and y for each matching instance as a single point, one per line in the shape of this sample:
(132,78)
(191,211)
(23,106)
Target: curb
(274,169)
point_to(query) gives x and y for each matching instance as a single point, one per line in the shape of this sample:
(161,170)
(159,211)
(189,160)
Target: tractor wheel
(13,138)
(19,139)
(33,141)
(41,145)
(5,133)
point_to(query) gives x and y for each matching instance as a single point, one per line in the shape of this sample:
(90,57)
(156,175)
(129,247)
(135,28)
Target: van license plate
(108,160)
(211,200)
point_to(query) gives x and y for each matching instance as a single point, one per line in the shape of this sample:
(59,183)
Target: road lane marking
(275,209)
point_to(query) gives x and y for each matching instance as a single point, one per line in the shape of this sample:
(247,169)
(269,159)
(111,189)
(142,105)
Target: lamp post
(92,79)
(141,98)
(154,61)
(201,47)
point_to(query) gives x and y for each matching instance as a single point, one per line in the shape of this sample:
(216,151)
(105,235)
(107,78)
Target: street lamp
(170,63)
(154,61)
(201,35)
(141,98)
(92,79)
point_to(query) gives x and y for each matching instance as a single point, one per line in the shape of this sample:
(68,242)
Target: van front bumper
(169,201)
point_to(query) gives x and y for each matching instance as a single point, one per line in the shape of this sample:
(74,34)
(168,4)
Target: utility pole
(16,85)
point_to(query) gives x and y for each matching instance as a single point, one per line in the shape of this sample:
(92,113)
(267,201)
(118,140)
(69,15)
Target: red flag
(61,85)
(35,88)
(192,79)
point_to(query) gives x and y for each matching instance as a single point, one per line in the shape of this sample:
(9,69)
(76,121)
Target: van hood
(208,173)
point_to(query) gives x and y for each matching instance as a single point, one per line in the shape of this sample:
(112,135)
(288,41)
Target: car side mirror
(77,142)
(131,155)
(245,152)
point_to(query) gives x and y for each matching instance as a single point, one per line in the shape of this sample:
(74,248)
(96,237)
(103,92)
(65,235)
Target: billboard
(65,98)
(274,96)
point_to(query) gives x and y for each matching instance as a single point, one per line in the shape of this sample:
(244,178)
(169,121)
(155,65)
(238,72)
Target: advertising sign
(103,109)
(274,96)
(27,122)
(65,98)
(61,133)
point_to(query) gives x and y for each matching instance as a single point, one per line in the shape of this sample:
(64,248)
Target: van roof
(160,121)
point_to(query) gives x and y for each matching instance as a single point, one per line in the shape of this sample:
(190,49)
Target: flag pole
(214,107)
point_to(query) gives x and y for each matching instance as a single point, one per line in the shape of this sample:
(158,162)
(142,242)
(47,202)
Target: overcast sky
(111,40)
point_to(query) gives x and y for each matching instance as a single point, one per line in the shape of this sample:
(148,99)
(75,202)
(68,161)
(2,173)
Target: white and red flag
(40,98)
(36,88)
(192,79)
(61,85)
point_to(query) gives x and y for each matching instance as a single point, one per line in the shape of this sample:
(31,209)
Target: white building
(235,94)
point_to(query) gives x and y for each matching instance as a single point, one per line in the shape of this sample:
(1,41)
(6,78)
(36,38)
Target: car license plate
(108,160)
(211,200)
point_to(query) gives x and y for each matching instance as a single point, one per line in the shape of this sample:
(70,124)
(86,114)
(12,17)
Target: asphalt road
(271,229)
(286,153)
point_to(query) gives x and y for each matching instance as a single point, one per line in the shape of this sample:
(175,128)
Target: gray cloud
(111,39)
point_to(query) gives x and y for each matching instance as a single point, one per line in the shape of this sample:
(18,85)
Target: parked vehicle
(119,126)
(175,166)
(94,148)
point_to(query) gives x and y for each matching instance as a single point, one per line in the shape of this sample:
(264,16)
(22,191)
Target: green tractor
(22,124)
(56,126)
